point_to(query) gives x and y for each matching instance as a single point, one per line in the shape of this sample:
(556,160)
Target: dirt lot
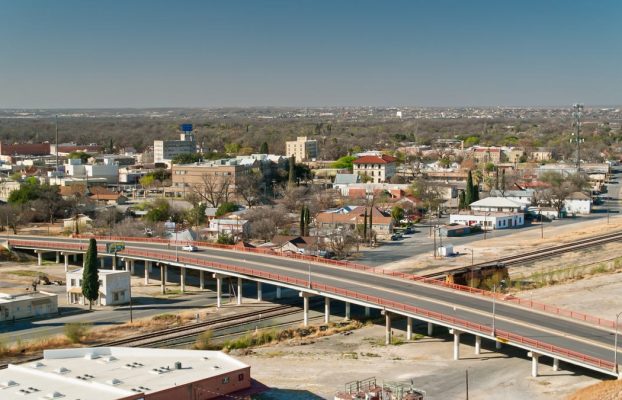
(313,370)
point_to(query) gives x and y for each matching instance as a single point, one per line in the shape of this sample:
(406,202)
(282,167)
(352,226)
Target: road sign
(115,247)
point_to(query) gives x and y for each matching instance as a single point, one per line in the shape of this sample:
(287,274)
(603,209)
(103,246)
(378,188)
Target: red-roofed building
(380,168)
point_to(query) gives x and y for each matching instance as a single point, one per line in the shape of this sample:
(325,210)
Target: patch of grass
(370,355)
(253,339)
(203,341)
(351,355)
(25,272)
(76,331)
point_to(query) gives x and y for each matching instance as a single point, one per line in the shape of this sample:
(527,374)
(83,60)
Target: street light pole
(494,303)
(541,226)
(471,269)
(615,345)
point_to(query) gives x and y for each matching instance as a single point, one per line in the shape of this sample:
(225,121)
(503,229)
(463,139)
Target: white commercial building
(114,287)
(125,373)
(497,204)
(108,170)
(488,220)
(302,148)
(26,305)
(578,203)
(377,168)
(165,150)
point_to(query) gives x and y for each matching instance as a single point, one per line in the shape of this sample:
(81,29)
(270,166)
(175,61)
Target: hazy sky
(130,53)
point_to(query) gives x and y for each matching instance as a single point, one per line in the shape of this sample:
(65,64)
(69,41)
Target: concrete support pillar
(102,260)
(478,345)
(66,262)
(259,293)
(201,279)
(498,345)
(409,328)
(132,262)
(218,290)
(83,260)
(456,334)
(114,263)
(58,257)
(126,263)
(166,273)
(278,292)
(162,279)
(305,308)
(430,329)
(556,364)
(239,291)
(182,279)
(534,363)
(347,317)
(147,268)
(39,258)
(367,312)
(387,333)
(326,310)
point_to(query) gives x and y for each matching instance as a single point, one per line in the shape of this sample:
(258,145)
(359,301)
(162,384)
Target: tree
(225,238)
(462,201)
(428,192)
(160,211)
(84,157)
(397,213)
(559,189)
(304,220)
(226,208)
(214,189)
(345,162)
(186,158)
(469,197)
(90,276)
(248,187)
(263,149)
(291,178)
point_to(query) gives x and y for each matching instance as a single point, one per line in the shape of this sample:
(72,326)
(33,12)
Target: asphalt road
(549,329)
(421,241)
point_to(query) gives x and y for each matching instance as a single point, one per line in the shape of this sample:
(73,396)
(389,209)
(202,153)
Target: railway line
(536,254)
(185,334)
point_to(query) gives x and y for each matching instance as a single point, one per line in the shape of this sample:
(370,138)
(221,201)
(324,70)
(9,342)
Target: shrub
(203,340)
(75,331)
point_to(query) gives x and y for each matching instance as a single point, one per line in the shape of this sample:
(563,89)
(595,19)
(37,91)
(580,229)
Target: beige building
(26,305)
(218,177)
(378,168)
(114,287)
(302,148)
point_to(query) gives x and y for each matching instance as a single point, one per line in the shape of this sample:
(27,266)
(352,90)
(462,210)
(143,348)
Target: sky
(182,53)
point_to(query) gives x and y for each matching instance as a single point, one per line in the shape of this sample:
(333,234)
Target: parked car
(189,247)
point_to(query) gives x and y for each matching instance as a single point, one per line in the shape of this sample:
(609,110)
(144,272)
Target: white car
(189,247)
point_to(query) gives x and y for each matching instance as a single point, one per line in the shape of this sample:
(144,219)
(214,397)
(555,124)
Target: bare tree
(341,241)
(248,187)
(214,189)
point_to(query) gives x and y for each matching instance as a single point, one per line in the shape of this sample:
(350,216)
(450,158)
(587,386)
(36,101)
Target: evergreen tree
(475,191)
(307,220)
(365,225)
(263,149)
(302,221)
(497,178)
(502,185)
(292,178)
(462,201)
(468,195)
(90,277)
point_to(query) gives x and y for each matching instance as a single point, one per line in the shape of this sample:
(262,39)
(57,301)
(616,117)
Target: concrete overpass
(540,330)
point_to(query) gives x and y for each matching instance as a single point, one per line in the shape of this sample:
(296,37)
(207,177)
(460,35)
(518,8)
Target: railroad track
(537,254)
(191,330)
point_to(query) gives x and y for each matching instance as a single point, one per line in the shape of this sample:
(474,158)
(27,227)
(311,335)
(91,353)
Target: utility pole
(577,114)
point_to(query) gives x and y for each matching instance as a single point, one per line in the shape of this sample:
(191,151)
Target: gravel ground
(318,369)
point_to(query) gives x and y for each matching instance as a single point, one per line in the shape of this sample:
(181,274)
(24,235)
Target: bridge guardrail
(511,337)
(360,267)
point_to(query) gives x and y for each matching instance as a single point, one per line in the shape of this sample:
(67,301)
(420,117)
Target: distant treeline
(335,137)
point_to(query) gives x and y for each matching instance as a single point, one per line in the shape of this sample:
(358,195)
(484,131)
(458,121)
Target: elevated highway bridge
(541,330)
